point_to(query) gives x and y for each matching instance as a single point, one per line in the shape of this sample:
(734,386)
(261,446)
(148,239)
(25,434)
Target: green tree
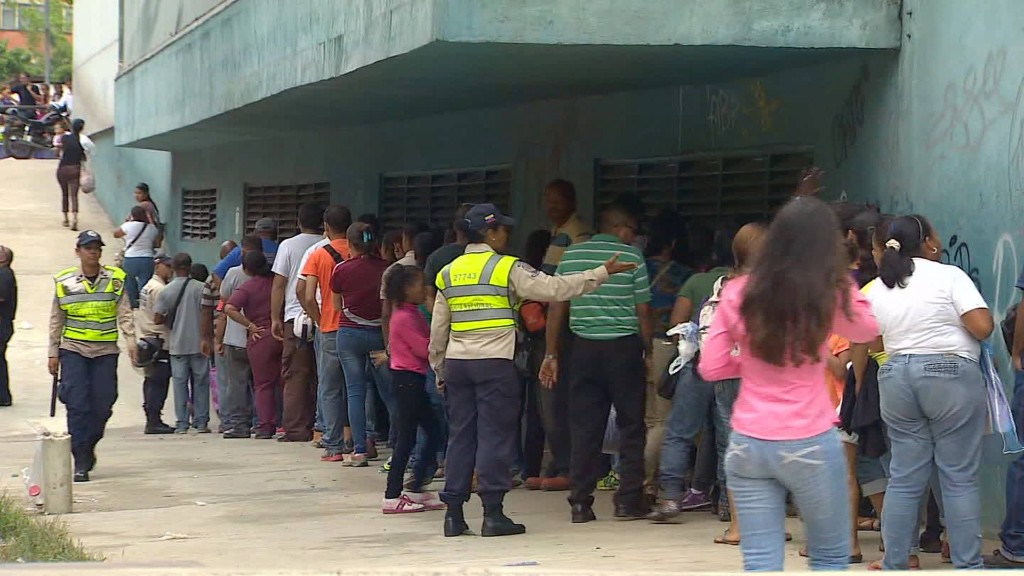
(14,61)
(32,17)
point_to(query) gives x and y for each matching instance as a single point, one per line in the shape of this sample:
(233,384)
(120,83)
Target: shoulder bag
(119,257)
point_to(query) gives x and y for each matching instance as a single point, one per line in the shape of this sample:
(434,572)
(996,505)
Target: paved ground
(201,501)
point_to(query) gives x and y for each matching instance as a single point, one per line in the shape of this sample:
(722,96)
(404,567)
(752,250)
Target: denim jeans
(332,392)
(814,470)
(379,387)
(437,404)
(934,408)
(198,366)
(693,410)
(318,423)
(138,271)
(354,347)
(1012,534)
(726,392)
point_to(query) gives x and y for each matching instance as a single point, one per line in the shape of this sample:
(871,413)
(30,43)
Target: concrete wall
(95,62)
(150,23)
(776,23)
(118,170)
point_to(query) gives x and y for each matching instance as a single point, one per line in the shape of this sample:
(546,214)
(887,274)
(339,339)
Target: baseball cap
(266,225)
(162,259)
(485,217)
(89,237)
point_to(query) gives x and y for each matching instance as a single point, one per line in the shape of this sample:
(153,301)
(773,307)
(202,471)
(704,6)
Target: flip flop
(727,541)
(854,558)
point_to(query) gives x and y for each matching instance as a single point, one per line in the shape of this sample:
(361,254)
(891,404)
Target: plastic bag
(1000,418)
(687,346)
(33,476)
(611,434)
(86,181)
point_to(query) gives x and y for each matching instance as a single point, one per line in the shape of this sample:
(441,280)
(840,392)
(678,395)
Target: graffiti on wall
(723,109)
(1005,271)
(847,123)
(730,109)
(972,107)
(1015,164)
(958,253)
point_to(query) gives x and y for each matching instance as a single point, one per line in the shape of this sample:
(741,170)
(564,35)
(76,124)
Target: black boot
(154,425)
(497,524)
(455,522)
(82,464)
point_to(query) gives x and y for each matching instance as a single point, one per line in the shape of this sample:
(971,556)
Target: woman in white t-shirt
(139,249)
(932,319)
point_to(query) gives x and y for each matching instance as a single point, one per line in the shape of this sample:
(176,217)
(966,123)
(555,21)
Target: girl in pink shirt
(771,330)
(409,338)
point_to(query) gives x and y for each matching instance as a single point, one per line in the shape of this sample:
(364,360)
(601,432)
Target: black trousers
(483,418)
(6,331)
(413,411)
(606,373)
(532,426)
(154,389)
(554,406)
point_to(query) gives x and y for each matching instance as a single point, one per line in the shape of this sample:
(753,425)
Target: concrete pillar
(57,477)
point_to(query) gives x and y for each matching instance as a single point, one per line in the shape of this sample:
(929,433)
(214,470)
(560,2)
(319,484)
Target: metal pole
(46,40)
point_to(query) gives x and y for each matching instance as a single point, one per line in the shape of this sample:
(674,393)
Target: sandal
(723,539)
(913,564)
(854,558)
(869,525)
(946,557)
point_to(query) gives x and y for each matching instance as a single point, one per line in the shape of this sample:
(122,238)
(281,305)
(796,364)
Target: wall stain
(847,123)
(958,253)
(970,111)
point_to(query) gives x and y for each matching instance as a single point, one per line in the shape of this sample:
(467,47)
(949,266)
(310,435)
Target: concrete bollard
(57,479)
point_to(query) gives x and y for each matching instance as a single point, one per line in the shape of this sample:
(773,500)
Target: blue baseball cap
(89,237)
(483,217)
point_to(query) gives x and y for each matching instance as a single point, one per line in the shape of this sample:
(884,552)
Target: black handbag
(667,383)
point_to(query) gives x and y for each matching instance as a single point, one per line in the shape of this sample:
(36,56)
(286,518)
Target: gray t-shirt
(234,333)
(186,335)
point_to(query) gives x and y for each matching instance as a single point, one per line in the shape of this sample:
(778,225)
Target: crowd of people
(836,376)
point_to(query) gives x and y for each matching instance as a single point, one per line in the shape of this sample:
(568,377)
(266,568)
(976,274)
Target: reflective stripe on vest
(476,287)
(91,311)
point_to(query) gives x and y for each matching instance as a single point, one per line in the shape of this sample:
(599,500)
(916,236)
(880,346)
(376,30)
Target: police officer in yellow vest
(88,308)
(472,344)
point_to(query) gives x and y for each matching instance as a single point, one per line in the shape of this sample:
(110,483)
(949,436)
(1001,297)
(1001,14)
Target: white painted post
(57,474)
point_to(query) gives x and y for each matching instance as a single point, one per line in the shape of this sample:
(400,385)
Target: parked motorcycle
(23,135)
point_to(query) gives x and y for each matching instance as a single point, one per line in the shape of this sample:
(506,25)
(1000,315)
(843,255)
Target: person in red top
(409,340)
(355,284)
(249,305)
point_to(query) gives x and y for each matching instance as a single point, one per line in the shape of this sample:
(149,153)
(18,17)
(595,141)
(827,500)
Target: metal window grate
(431,198)
(199,214)
(282,204)
(712,188)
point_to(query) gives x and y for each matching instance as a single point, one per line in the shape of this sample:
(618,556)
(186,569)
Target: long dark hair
(255,263)
(903,243)
(797,278)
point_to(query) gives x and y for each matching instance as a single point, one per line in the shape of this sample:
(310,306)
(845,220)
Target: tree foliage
(33,20)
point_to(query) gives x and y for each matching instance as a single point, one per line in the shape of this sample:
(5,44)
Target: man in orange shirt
(317,271)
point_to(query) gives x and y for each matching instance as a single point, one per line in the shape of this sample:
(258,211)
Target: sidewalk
(243,506)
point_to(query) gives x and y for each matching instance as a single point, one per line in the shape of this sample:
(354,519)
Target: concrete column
(57,479)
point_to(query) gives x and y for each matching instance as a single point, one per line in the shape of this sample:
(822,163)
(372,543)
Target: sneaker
(204,430)
(609,482)
(665,512)
(400,505)
(371,450)
(358,461)
(181,430)
(332,456)
(236,433)
(695,501)
(427,499)
(280,432)
(385,467)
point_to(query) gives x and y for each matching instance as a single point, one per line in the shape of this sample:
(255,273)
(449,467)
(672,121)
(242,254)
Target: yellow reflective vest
(476,286)
(91,311)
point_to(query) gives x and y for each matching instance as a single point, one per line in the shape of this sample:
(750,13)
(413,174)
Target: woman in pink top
(410,336)
(770,330)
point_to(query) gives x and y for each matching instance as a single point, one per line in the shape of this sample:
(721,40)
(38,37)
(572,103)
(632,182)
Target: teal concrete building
(235,109)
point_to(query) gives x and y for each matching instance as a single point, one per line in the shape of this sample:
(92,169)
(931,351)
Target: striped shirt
(610,311)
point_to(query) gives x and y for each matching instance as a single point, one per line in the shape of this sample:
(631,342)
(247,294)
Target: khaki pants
(657,409)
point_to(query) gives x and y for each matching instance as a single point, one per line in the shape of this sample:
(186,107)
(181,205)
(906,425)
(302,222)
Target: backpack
(707,311)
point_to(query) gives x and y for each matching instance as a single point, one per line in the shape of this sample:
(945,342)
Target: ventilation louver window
(282,204)
(198,214)
(432,197)
(710,189)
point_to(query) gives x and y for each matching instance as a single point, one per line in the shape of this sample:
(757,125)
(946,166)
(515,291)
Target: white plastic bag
(33,477)
(687,345)
(611,434)
(1000,417)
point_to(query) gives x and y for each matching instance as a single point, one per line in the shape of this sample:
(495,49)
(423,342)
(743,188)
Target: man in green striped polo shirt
(611,330)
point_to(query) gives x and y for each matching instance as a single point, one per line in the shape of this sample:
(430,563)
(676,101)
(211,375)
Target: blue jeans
(1012,534)
(138,271)
(198,366)
(693,410)
(726,392)
(934,408)
(437,403)
(354,347)
(814,470)
(331,394)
